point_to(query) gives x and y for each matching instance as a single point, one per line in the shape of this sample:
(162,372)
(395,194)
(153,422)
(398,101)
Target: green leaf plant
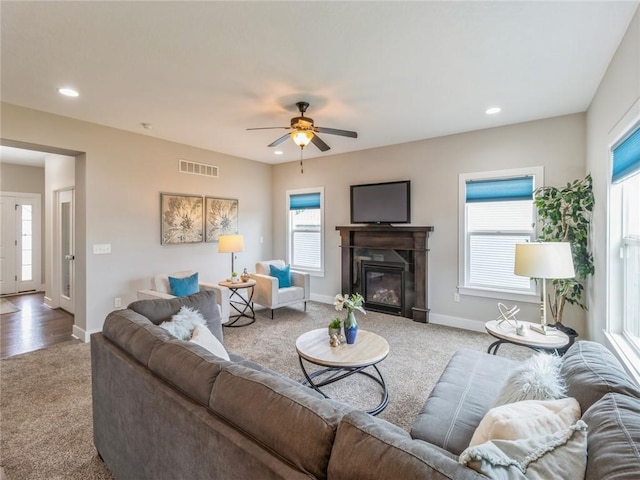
(564,215)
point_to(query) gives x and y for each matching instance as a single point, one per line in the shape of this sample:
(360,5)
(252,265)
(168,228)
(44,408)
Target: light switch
(102,249)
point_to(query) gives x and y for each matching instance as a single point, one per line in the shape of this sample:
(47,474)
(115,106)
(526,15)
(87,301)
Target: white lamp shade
(230,243)
(544,260)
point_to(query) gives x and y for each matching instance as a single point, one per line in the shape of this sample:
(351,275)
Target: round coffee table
(505,332)
(342,361)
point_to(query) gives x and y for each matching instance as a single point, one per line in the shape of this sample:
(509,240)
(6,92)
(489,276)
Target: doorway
(20,240)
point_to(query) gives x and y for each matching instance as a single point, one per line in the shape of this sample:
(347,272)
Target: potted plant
(352,302)
(335,326)
(565,216)
(234,277)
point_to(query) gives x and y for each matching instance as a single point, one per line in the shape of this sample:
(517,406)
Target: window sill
(499,295)
(626,354)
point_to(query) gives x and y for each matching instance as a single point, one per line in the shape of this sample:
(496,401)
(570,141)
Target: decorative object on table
(508,314)
(221,217)
(334,340)
(231,244)
(245,275)
(181,218)
(544,260)
(565,216)
(335,327)
(350,303)
(234,277)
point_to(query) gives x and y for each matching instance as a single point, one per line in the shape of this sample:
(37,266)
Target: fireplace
(388,266)
(383,286)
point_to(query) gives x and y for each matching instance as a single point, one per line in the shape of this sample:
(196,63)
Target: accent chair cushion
(282,274)
(614,438)
(262,267)
(183,286)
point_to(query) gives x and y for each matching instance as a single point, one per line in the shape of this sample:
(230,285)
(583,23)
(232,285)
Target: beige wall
(26,179)
(616,95)
(119,177)
(433,166)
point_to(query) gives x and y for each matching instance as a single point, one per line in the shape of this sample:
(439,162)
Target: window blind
(304,201)
(626,157)
(506,189)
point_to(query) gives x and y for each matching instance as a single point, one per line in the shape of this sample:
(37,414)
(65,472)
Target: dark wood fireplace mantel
(410,243)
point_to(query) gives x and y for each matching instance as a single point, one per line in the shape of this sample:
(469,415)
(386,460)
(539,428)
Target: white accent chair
(268,294)
(160,289)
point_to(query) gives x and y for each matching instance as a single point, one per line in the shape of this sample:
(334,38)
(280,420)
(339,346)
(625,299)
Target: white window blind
(305,230)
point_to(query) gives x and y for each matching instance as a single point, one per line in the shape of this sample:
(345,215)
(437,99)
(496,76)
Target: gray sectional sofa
(168,409)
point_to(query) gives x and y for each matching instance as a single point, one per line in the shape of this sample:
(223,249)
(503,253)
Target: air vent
(187,166)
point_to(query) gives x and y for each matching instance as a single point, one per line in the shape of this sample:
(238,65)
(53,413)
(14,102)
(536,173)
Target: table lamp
(230,244)
(544,260)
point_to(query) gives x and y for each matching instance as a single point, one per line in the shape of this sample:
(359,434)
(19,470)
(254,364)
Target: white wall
(617,93)
(558,144)
(119,177)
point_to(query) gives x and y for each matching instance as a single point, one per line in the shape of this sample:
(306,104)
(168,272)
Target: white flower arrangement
(350,302)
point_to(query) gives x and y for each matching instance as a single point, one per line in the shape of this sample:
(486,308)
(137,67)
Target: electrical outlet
(117,302)
(456,297)
(102,249)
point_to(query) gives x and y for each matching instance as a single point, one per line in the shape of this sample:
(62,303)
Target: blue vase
(350,328)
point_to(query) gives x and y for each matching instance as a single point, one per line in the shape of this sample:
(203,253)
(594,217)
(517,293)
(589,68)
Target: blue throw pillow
(181,287)
(282,274)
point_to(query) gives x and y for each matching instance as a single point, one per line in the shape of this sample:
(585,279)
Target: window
(305,230)
(496,212)
(624,238)
(26,242)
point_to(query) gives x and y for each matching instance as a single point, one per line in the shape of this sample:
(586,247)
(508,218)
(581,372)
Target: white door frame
(14,223)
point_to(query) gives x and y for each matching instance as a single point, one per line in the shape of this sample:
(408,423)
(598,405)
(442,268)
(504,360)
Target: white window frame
(624,349)
(288,194)
(533,296)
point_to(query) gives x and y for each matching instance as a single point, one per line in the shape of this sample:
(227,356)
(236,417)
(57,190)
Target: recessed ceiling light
(69,92)
(278,152)
(493,110)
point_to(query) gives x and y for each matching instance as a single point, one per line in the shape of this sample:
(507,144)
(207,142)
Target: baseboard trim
(457,322)
(321,298)
(82,335)
(49,303)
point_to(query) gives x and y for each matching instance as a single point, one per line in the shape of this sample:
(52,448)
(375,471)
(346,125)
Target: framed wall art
(221,217)
(182,218)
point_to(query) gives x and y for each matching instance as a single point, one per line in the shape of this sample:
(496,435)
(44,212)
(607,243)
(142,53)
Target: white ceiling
(203,72)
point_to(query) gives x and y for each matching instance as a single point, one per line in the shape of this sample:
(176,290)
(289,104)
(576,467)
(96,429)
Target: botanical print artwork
(221,217)
(182,219)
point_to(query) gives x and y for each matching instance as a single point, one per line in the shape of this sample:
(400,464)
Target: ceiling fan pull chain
(301,169)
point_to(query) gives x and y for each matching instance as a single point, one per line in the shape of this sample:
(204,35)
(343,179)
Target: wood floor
(34,326)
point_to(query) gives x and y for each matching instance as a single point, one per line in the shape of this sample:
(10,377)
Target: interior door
(8,246)
(65,251)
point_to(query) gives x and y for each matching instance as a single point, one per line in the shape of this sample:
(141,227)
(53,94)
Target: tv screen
(381,202)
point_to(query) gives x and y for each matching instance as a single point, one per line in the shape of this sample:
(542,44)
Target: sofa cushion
(614,438)
(590,371)
(161,310)
(465,392)
(202,336)
(368,448)
(278,415)
(134,333)
(188,367)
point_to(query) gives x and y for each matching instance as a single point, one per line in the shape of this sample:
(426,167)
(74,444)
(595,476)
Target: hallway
(33,326)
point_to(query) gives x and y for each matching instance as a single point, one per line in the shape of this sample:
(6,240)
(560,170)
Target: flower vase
(350,328)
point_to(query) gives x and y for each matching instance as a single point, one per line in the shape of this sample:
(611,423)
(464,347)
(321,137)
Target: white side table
(506,333)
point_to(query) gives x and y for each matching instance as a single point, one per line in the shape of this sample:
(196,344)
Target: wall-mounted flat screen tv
(381,203)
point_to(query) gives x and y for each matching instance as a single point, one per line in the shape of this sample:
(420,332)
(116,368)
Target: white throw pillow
(526,419)
(182,323)
(537,378)
(203,337)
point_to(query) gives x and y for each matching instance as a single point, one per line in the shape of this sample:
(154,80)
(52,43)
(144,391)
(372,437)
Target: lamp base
(543,329)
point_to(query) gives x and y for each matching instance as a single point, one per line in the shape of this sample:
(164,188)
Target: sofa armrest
(153,295)
(222,296)
(303,280)
(266,290)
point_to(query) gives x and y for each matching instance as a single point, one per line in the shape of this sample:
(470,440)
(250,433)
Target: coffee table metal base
(334,374)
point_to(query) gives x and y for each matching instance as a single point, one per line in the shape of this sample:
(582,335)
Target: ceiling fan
(304,131)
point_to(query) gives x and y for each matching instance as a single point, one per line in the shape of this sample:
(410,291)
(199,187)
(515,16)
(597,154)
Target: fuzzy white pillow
(203,337)
(183,323)
(526,419)
(537,378)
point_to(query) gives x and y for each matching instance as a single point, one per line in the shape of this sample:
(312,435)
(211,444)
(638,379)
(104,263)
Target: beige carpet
(6,306)
(45,397)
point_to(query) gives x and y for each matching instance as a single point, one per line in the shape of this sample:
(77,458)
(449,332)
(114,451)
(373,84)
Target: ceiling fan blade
(268,128)
(335,131)
(317,141)
(279,141)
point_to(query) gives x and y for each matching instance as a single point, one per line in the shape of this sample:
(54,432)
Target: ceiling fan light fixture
(301,137)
